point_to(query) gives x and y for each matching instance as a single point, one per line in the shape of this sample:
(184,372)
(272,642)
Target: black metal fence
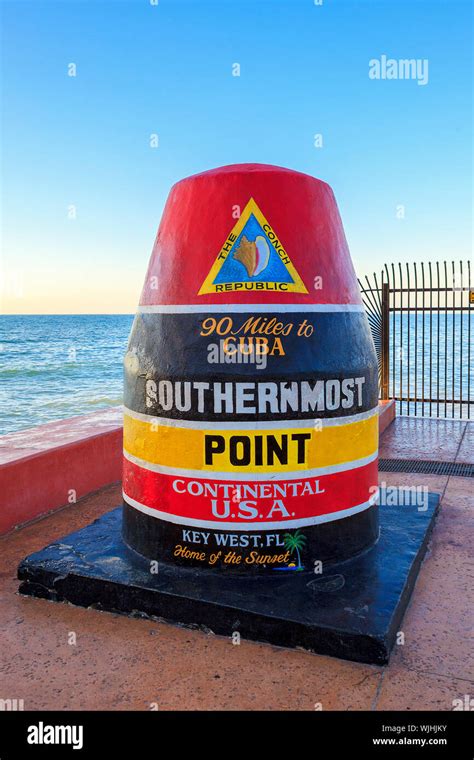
(421,321)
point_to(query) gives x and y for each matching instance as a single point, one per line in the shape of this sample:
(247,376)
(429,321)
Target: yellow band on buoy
(218,449)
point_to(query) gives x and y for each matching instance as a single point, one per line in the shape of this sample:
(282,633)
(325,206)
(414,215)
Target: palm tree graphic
(294,542)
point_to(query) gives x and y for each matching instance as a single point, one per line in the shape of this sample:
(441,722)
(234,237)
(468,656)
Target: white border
(212,308)
(180,472)
(248,527)
(257,425)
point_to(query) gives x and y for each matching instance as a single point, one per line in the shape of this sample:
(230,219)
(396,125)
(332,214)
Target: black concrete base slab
(352,610)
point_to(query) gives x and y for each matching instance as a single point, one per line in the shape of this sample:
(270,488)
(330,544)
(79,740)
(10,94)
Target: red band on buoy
(190,501)
(201,213)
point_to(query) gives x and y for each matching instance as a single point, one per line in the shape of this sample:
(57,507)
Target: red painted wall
(40,467)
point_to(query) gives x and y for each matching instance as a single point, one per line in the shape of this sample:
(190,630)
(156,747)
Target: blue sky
(167,69)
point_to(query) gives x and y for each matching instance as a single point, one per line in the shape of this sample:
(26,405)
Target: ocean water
(58,366)
(432,357)
(52,367)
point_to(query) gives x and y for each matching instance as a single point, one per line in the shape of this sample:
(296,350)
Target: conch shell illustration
(253,254)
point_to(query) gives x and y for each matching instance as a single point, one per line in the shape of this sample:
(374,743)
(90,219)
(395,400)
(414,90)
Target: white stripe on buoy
(211,308)
(303,522)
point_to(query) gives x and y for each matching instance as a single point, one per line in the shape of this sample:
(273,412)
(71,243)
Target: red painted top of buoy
(201,212)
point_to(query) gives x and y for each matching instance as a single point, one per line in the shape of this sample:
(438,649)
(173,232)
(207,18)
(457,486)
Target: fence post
(384,380)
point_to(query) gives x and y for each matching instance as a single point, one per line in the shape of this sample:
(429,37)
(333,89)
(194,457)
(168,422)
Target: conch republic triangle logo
(252,258)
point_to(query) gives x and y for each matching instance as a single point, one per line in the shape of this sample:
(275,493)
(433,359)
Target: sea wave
(39,381)
(105,400)
(31,372)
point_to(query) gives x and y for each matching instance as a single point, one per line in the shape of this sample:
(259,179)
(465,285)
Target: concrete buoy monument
(251,391)
(250,442)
